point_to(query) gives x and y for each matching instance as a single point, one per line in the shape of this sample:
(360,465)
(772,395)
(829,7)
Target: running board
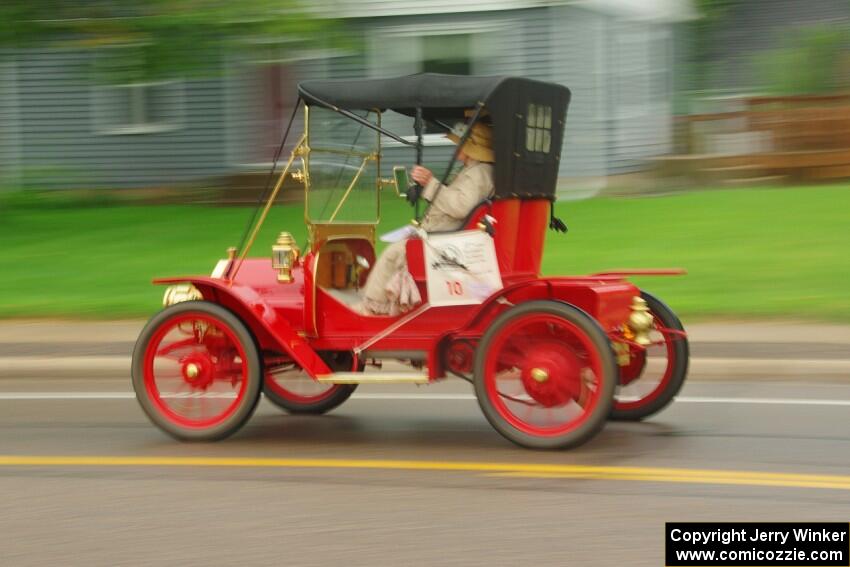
(374,378)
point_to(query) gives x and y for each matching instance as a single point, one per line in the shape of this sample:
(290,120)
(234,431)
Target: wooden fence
(768,139)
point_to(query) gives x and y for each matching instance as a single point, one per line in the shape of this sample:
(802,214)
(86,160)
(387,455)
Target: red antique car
(550,358)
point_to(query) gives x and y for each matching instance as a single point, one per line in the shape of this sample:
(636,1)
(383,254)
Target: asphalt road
(332,491)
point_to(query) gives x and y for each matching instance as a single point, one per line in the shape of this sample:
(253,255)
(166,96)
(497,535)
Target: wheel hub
(539,374)
(551,374)
(198,371)
(460,357)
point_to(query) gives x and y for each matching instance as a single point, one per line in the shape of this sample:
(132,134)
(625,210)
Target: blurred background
(154,104)
(136,136)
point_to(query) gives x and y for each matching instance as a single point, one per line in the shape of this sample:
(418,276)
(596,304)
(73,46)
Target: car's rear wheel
(545,375)
(655,374)
(196,371)
(291,389)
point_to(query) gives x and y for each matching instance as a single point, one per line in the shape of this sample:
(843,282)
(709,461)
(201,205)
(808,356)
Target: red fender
(271,330)
(607,298)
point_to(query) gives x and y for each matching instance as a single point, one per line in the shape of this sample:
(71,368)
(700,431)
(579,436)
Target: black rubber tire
(254,378)
(680,366)
(607,382)
(337,361)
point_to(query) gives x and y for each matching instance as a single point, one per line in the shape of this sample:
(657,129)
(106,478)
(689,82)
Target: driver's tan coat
(449,207)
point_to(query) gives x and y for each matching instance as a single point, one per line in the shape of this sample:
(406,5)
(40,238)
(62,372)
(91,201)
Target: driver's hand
(421,175)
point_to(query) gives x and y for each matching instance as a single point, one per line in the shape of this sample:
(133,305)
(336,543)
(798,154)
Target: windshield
(343,168)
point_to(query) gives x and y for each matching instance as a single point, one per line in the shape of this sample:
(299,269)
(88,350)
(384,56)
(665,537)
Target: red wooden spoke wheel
(291,389)
(545,375)
(655,374)
(196,371)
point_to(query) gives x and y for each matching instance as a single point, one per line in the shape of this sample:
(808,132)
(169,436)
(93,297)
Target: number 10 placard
(461,268)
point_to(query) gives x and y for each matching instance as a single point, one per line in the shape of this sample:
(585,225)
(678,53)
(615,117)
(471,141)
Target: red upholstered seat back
(530,235)
(520,231)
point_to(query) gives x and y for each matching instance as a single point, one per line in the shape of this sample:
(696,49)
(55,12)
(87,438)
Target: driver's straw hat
(479,145)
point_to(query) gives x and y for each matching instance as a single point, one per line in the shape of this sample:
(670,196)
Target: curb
(65,367)
(700,368)
(769,369)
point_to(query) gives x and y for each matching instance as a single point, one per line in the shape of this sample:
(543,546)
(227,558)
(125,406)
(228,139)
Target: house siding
(10,147)
(565,44)
(617,119)
(639,93)
(549,44)
(577,62)
(242,113)
(65,147)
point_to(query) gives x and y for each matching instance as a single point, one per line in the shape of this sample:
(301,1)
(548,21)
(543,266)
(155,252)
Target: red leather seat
(519,235)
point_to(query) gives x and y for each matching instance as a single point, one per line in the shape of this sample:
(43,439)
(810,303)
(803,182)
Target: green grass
(778,253)
(760,253)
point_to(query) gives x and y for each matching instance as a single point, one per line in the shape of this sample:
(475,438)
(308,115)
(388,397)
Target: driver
(390,289)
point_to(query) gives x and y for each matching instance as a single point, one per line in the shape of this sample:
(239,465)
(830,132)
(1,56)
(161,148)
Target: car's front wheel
(196,371)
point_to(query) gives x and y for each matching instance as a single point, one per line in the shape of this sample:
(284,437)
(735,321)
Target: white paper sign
(399,234)
(461,268)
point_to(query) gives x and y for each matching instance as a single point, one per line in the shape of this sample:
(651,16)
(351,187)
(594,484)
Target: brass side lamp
(285,253)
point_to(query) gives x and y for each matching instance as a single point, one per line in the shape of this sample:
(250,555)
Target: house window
(447,53)
(140,108)
(538,128)
(456,48)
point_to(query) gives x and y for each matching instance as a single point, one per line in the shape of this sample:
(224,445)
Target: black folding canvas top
(528,117)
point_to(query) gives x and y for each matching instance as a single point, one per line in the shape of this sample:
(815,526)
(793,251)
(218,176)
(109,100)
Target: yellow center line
(840,483)
(508,470)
